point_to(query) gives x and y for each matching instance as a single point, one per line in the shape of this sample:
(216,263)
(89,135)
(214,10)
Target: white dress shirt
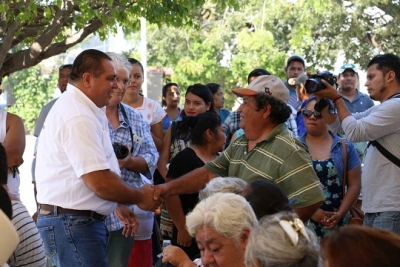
(74,141)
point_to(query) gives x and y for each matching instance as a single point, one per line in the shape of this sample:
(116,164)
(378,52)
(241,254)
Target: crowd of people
(269,184)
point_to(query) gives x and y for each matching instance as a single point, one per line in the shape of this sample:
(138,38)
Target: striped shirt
(143,146)
(280,157)
(30,249)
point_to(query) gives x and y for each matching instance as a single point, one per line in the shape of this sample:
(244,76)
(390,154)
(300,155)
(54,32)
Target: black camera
(120,150)
(314,84)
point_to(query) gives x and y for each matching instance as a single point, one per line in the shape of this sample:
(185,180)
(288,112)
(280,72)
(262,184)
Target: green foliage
(36,30)
(31,91)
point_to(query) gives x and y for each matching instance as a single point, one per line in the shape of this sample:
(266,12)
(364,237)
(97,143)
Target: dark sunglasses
(307,113)
(69,66)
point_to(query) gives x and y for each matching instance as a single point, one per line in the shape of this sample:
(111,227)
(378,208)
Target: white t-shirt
(74,141)
(151,111)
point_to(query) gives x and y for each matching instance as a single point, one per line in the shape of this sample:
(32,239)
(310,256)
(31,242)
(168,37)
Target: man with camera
(267,150)
(77,175)
(136,153)
(380,126)
(354,99)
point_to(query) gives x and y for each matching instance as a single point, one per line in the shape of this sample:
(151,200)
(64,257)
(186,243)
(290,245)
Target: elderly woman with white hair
(221,224)
(282,240)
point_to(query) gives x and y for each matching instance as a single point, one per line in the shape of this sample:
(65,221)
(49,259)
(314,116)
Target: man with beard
(353,98)
(380,125)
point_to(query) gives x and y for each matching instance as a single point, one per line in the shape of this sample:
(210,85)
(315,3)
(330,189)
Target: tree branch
(13,61)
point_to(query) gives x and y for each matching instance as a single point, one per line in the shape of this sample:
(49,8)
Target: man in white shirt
(77,174)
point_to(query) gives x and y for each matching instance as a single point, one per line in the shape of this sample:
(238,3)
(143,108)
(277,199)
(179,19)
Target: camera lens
(120,151)
(311,86)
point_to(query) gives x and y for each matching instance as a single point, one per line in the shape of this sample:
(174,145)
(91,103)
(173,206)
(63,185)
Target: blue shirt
(167,121)
(223,114)
(143,146)
(361,102)
(337,154)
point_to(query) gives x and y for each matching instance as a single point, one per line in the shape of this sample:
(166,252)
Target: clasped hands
(327,218)
(153,196)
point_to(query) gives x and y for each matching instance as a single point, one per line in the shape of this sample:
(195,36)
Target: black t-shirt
(184,162)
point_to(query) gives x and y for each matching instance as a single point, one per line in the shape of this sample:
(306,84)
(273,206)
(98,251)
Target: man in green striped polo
(267,150)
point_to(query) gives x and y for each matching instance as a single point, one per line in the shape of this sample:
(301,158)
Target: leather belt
(87,213)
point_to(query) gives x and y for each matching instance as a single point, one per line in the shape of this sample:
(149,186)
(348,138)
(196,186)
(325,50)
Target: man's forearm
(190,182)
(306,212)
(342,109)
(108,185)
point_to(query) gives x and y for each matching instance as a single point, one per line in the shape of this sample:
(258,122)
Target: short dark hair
(266,198)
(213,87)
(88,61)
(199,124)
(164,92)
(135,61)
(385,63)
(280,111)
(65,66)
(256,73)
(3,166)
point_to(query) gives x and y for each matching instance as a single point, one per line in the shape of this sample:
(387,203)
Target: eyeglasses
(69,66)
(308,113)
(124,81)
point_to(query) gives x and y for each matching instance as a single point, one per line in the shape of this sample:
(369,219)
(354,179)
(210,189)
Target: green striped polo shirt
(280,158)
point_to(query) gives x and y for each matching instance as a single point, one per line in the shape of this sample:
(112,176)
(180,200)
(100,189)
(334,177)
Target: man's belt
(87,213)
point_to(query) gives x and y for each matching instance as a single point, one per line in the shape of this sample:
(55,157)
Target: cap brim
(244,92)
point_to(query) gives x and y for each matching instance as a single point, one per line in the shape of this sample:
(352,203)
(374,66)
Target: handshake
(152,196)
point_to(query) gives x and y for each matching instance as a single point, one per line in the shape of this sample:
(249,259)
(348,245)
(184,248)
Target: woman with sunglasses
(328,160)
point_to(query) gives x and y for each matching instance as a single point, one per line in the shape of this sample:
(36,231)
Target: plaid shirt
(231,125)
(145,149)
(291,122)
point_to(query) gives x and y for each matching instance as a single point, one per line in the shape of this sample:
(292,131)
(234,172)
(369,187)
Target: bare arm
(174,207)
(306,212)
(331,93)
(186,184)
(108,185)
(165,154)
(14,142)
(157,134)
(353,191)
(136,164)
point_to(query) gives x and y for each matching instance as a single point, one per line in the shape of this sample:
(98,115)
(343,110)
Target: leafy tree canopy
(31,31)
(226,43)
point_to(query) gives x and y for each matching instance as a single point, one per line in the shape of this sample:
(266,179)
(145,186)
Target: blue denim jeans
(73,240)
(119,249)
(389,220)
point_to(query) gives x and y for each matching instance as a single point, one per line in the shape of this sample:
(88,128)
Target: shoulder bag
(357,215)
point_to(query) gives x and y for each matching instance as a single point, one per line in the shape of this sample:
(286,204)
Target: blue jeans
(389,220)
(73,240)
(119,249)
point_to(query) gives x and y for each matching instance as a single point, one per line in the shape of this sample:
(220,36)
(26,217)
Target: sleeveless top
(13,180)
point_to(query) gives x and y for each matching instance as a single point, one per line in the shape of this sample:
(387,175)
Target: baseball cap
(297,58)
(348,66)
(268,84)
(301,80)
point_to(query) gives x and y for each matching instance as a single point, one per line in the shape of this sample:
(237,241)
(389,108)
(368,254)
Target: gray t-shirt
(42,117)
